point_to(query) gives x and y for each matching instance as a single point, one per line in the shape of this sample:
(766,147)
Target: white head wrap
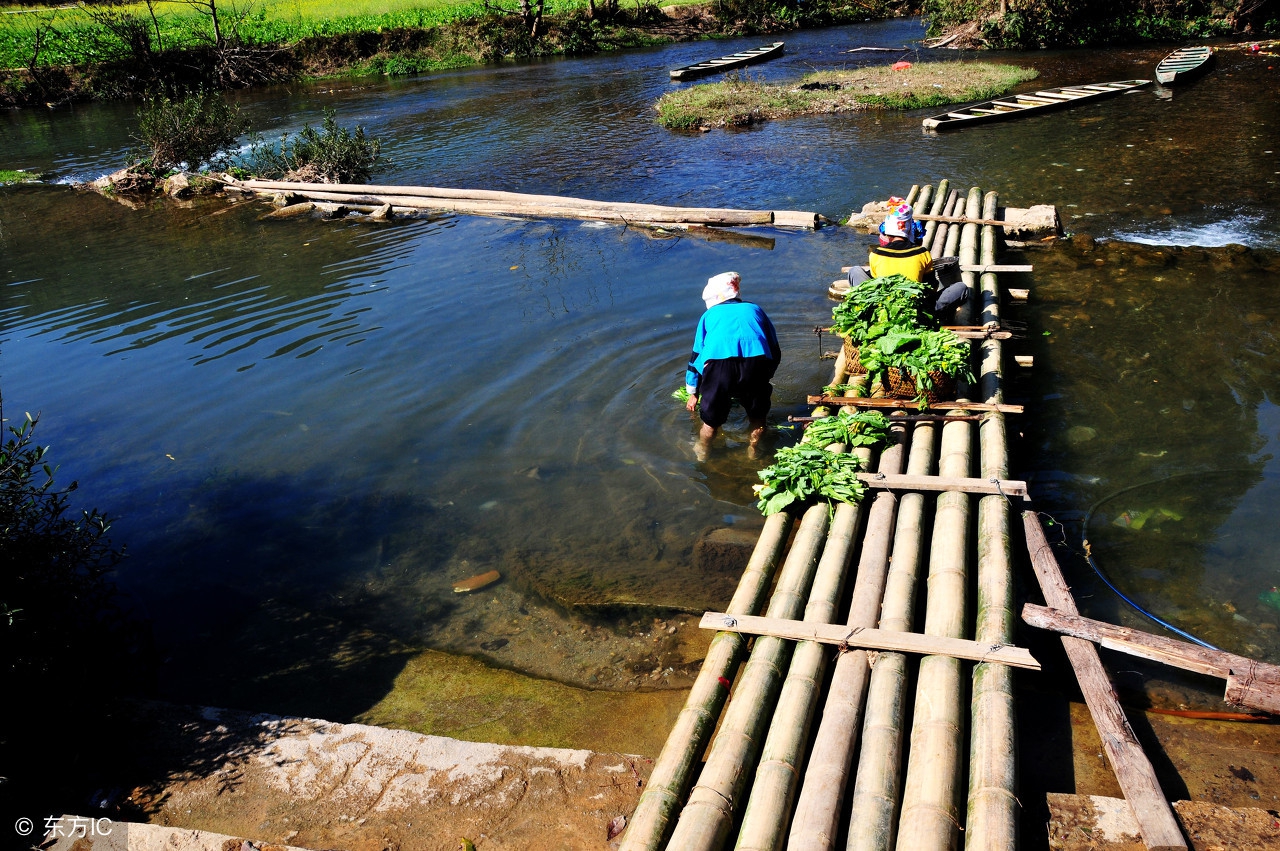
(720,288)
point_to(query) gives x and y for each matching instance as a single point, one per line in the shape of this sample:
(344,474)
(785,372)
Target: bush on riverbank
(332,154)
(1082,23)
(58,55)
(738,101)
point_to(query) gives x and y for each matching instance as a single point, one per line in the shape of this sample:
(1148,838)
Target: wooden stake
(1134,772)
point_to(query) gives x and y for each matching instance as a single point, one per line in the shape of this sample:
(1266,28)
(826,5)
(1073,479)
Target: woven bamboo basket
(900,385)
(852,364)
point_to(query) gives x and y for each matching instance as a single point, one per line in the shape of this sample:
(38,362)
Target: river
(309,430)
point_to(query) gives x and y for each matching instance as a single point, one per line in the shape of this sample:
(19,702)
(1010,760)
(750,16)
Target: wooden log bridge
(403,199)
(784,742)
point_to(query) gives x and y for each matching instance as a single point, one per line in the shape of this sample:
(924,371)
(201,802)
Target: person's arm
(775,350)
(692,377)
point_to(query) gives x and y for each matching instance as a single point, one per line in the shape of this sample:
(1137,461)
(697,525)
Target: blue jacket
(732,329)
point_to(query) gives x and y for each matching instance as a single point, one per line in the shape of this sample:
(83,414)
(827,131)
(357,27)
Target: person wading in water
(735,354)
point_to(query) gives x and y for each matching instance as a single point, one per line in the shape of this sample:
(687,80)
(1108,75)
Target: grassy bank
(59,54)
(739,101)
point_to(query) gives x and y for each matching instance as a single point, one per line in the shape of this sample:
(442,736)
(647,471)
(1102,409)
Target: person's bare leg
(702,445)
(757,431)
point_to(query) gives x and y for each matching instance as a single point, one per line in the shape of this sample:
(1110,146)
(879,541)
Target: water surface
(341,419)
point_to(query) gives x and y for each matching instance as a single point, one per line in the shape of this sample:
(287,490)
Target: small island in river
(737,101)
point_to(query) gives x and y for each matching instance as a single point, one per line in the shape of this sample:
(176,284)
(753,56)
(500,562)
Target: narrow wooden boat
(728,63)
(1182,65)
(998,109)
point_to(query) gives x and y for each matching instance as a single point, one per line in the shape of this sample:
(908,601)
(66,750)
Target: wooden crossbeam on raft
(969,267)
(1133,770)
(1005,487)
(1259,682)
(872,639)
(867,402)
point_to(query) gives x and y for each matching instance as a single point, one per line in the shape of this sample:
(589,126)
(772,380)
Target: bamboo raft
(809,746)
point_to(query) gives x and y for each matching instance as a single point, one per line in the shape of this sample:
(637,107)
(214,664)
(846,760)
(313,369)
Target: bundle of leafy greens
(801,472)
(681,395)
(879,305)
(919,354)
(850,427)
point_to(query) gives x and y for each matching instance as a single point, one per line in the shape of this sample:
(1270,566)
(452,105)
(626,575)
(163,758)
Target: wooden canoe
(1182,65)
(998,109)
(728,63)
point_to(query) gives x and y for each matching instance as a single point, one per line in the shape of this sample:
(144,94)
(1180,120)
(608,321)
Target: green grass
(10,177)
(268,22)
(737,101)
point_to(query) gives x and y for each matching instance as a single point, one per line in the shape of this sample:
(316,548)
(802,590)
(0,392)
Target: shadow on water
(1159,433)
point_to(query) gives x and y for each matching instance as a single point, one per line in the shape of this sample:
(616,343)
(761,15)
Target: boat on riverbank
(1184,64)
(999,109)
(728,63)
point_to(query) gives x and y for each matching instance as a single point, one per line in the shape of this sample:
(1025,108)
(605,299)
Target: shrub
(195,130)
(332,154)
(56,603)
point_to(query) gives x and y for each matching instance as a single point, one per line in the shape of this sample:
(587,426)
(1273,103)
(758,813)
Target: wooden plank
(872,639)
(904,404)
(1133,770)
(1256,691)
(1249,682)
(1135,642)
(964,267)
(1006,487)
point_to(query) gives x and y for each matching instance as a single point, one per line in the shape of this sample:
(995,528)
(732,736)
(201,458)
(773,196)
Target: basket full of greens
(872,308)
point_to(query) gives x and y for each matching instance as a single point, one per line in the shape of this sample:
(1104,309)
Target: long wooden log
(1133,770)
(992,808)
(868,402)
(872,639)
(599,212)
(1168,651)
(514,203)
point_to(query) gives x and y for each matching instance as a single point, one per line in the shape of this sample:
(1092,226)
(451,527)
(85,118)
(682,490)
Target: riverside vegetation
(738,101)
(57,54)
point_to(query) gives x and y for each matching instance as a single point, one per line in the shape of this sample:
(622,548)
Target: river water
(315,428)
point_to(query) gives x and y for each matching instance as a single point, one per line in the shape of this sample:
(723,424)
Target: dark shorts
(745,380)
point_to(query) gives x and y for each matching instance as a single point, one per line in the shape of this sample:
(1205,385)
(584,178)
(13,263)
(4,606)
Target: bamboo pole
(817,815)
(768,812)
(930,815)
(707,817)
(938,246)
(875,799)
(668,783)
(992,817)
(693,727)
(939,199)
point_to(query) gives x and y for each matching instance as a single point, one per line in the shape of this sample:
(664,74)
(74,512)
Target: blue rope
(1088,555)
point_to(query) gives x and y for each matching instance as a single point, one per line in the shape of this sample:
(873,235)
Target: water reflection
(343,419)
